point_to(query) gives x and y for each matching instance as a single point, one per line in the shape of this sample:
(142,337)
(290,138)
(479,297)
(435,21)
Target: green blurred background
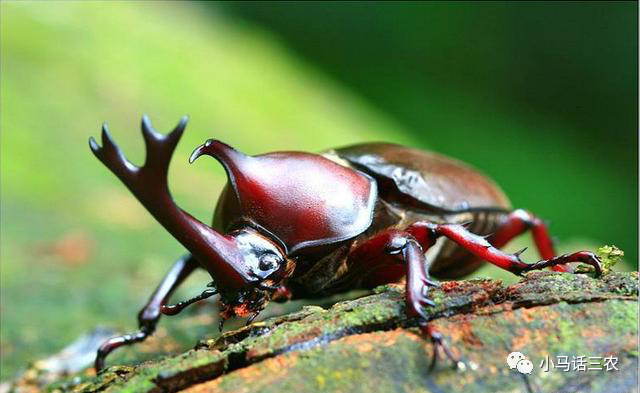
(540,96)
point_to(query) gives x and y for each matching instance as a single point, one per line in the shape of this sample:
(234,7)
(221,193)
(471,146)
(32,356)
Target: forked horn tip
(182,124)
(147,128)
(145,120)
(93,145)
(107,142)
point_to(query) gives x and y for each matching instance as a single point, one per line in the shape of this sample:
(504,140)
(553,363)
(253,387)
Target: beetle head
(259,258)
(262,258)
(265,264)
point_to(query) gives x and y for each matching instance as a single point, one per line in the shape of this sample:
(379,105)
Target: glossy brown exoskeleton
(293,224)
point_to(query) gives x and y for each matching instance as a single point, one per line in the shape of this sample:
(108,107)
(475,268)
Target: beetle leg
(480,247)
(374,261)
(428,330)
(175,309)
(517,223)
(150,314)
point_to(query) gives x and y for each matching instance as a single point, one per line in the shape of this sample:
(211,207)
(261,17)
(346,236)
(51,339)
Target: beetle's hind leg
(520,221)
(150,314)
(479,246)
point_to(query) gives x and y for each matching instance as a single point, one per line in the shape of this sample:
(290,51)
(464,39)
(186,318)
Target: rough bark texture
(369,345)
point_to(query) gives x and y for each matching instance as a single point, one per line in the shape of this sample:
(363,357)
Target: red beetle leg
(150,314)
(375,262)
(430,331)
(480,247)
(517,223)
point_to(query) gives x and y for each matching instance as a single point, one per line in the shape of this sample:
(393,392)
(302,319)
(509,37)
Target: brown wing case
(424,180)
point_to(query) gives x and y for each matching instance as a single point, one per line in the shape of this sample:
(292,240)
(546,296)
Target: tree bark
(369,345)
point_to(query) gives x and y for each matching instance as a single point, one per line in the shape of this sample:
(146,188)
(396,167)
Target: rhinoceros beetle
(300,225)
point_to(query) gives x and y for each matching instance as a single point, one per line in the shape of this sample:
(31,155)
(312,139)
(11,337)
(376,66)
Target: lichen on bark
(369,344)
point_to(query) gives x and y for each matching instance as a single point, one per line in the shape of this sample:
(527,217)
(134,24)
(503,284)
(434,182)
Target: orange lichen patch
(513,290)
(279,363)
(509,316)
(492,369)
(529,314)
(367,342)
(481,291)
(259,351)
(493,309)
(269,371)
(522,338)
(450,286)
(365,347)
(460,328)
(468,335)
(406,335)
(481,297)
(532,337)
(592,333)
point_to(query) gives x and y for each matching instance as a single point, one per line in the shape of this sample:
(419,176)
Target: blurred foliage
(78,251)
(542,96)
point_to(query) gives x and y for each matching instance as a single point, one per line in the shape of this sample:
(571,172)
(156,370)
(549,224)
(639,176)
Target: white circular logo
(518,361)
(514,358)
(525,366)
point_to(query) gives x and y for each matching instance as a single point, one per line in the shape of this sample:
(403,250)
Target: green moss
(623,318)
(572,324)
(609,256)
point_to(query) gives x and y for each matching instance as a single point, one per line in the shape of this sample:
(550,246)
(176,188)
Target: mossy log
(369,345)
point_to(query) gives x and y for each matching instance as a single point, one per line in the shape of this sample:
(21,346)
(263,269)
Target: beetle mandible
(301,225)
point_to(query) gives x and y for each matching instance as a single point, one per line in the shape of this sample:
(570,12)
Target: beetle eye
(268,262)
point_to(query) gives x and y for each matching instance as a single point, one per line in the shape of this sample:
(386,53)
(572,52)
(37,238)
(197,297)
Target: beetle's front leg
(150,314)
(373,262)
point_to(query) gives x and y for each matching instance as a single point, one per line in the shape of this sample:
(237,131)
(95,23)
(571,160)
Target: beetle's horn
(219,150)
(217,253)
(283,192)
(236,164)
